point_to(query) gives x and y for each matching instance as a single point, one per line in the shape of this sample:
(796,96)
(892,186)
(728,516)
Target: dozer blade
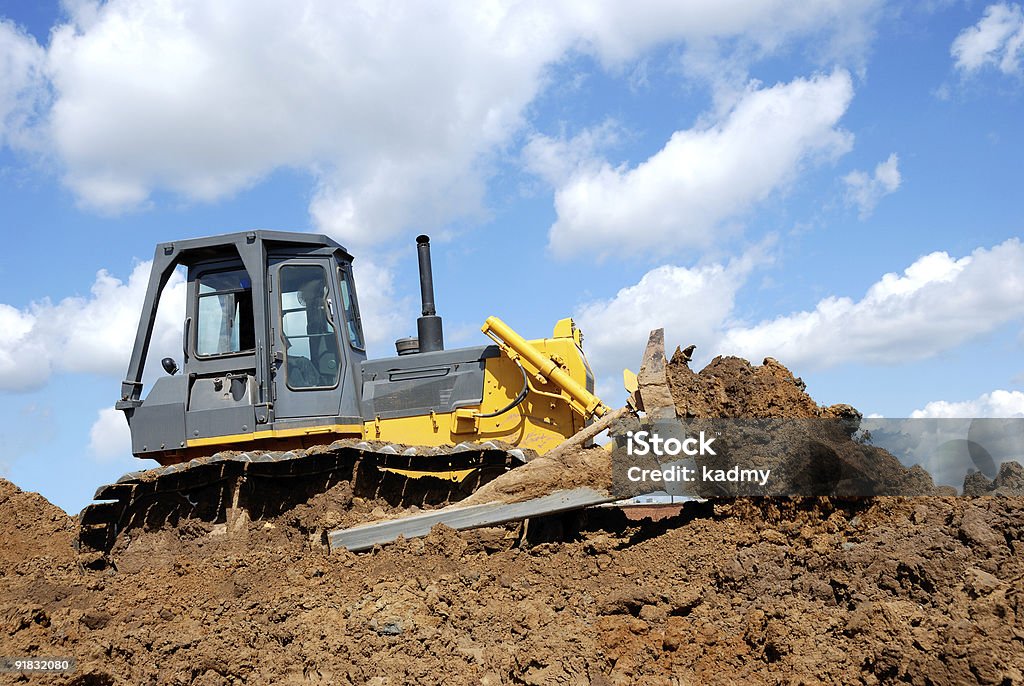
(653,395)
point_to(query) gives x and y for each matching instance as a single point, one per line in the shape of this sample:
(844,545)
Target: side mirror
(169,365)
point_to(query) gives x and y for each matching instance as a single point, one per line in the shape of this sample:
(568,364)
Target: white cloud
(997,40)
(95,334)
(22,86)
(556,159)
(91,334)
(865,191)
(391,107)
(109,437)
(396,110)
(691,304)
(685,194)
(947,438)
(618,31)
(936,304)
(995,404)
(384,314)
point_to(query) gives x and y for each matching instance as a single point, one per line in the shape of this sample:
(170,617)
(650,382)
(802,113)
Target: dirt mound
(732,387)
(754,591)
(1009,481)
(813,452)
(31,529)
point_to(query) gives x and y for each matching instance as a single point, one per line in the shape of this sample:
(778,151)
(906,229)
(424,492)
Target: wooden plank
(366,536)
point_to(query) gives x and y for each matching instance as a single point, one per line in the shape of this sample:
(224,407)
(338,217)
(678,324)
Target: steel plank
(366,536)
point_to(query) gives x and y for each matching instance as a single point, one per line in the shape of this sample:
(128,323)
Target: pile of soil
(814,452)
(1009,481)
(925,590)
(732,387)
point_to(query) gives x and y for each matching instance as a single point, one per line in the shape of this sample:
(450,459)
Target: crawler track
(265,484)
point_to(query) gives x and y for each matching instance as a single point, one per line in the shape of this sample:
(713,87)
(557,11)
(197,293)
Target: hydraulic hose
(518,399)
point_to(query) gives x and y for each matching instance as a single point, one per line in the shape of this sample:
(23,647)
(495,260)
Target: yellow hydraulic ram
(514,345)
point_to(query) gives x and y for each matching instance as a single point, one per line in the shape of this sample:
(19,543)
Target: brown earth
(926,590)
(589,467)
(732,387)
(813,453)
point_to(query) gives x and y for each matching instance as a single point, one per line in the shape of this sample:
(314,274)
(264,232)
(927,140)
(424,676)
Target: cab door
(308,360)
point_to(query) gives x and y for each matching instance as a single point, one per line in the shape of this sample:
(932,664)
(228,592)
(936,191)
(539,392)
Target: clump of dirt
(1009,481)
(590,467)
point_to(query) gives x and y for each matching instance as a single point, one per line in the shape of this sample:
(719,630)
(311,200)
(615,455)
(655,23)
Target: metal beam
(461,518)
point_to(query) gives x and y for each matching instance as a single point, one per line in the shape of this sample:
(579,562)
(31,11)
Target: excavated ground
(926,590)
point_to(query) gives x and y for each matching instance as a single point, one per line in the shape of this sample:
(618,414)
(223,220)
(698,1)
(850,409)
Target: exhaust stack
(428,327)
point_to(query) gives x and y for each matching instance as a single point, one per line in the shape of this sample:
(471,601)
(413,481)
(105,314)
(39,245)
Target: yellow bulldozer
(275,388)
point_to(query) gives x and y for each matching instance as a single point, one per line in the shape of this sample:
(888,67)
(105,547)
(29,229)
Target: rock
(974,528)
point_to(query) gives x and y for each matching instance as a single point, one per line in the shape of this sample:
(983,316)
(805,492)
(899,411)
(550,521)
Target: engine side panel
(413,385)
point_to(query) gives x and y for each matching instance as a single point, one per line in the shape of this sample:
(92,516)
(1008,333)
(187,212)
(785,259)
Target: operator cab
(272,339)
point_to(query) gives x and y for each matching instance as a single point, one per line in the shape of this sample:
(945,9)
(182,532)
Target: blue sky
(837,185)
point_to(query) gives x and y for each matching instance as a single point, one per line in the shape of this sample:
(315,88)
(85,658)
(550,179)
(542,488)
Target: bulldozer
(275,387)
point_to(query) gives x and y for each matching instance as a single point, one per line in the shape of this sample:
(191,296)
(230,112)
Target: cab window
(224,321)
(307,325)
(353,324)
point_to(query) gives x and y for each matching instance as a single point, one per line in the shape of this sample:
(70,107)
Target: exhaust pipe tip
(428,327)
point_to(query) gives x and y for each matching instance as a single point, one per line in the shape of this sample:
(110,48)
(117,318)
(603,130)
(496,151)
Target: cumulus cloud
(91,334)
(389,106)
(937,303)
(864,191)
(692,304)
(385,315)
(998,403)
(109,437)
(997,40)
(616,32)
(395,110)
(556,159)
(686,193)
(95,334)
(22,84)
